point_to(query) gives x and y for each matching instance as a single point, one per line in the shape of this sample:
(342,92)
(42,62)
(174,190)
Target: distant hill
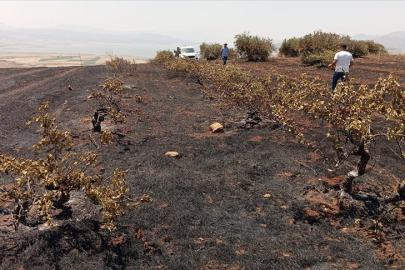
(394,42)
(63,35)
(364,37)
(400,34)
(5,27)
(68,39)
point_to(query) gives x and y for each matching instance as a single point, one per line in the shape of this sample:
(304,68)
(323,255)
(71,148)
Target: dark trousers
(336,77)
(224,58)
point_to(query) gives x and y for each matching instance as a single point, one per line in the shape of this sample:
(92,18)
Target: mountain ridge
(394,42)
(68,34)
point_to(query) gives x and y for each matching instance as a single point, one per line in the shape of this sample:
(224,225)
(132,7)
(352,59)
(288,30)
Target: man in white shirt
(343,60)
(225,53)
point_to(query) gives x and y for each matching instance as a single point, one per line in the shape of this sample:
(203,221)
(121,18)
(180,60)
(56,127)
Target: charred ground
(209,210)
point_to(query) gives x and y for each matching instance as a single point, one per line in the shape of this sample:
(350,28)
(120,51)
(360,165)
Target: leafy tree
(289,47)
(211,51)
(318,42)
(357,48)
(318,48)
(375,48)
(254,48)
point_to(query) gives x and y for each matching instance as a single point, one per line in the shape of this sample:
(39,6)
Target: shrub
(210,51)
(254,48)
(163,56)
(109,103)
(315,48)
(180,67)
(289,48)
(319,59)
(47,181)
(375,48)
(120,65)
(318,42)
(357,48)
(233,54)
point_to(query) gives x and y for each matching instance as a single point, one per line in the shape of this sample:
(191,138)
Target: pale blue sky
(213,21)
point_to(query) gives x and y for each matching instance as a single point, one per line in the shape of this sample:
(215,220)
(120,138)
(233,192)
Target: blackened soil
(247,198)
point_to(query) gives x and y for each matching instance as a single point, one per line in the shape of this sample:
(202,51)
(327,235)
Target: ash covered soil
(250,197)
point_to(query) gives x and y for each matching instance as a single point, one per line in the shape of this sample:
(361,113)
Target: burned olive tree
(355,117)
(109,103)
(47,181)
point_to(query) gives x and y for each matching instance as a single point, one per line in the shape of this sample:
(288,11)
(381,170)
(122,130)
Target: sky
(212,21)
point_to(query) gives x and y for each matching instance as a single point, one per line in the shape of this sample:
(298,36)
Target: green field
(57,58)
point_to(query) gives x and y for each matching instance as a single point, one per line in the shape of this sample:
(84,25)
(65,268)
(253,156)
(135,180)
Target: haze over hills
(68,39)
(75,36)
(144,45)
(394,42)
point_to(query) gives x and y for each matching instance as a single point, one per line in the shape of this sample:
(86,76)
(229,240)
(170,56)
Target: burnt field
(250,197)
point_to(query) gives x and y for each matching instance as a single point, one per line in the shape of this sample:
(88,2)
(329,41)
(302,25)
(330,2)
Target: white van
(188,51)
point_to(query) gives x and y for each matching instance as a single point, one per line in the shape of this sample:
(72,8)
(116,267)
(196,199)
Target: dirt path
(23,90)
(15,92)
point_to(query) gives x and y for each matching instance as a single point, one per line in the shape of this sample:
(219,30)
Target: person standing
(177,52)
(225,53)
(342,61)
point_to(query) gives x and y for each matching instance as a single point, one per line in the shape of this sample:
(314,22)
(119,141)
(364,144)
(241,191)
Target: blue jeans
(336,77)
(224,58)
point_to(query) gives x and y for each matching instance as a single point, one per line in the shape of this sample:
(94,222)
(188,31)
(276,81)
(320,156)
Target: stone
(216,127)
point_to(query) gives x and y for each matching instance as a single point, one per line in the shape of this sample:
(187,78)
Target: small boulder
(216,127)
(172,154)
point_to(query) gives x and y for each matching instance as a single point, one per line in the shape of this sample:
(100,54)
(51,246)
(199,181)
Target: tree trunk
(364,158)
(364,154)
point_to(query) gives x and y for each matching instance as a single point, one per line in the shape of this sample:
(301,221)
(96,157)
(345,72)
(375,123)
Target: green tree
(254,48)
(289,47)
(210,51)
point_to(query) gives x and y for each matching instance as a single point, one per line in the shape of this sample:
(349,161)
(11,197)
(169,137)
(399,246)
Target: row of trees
(352,117)
(317,48)
(252,48)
